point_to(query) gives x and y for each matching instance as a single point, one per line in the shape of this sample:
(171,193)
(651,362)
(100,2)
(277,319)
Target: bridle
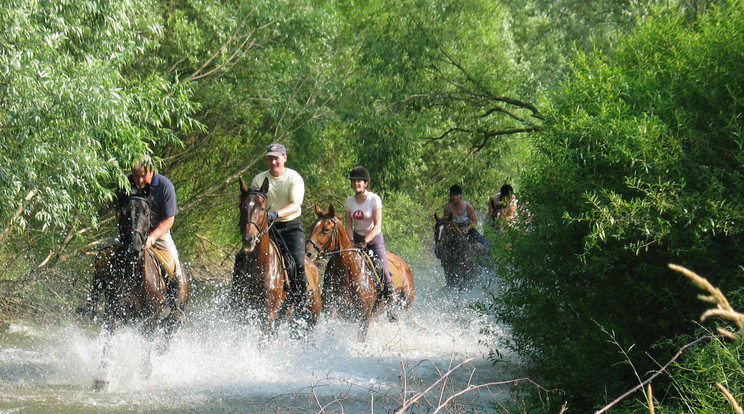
(323,251)
(326,250)
(142,235)
(263,232)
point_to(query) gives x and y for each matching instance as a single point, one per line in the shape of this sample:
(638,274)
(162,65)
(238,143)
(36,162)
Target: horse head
(445,233)
(254,220)
(325,232)
(133,212)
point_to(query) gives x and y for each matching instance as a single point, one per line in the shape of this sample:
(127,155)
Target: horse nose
(249,243)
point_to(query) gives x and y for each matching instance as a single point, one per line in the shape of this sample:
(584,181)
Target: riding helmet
(359,173)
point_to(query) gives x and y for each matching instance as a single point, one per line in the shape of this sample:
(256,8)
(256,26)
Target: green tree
(639,165)
(69,114)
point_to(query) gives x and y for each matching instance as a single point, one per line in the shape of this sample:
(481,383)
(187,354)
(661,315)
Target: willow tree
(71,117)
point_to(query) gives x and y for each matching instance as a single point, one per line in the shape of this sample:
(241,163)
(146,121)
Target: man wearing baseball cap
(284,196)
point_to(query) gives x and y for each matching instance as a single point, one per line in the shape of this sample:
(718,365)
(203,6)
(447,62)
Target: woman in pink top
(364,221)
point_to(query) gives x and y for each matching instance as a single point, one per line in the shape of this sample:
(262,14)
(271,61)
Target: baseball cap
(276,150)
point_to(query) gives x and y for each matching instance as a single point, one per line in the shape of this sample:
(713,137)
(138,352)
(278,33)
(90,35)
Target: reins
(261,233)
(335,240)
(326,251)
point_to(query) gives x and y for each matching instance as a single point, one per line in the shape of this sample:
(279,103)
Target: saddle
(376,264)
(288,261)
(166,261)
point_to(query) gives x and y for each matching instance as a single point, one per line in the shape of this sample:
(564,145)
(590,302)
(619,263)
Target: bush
(639,165)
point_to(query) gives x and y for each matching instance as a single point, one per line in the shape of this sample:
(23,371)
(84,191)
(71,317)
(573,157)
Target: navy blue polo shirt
(163,194)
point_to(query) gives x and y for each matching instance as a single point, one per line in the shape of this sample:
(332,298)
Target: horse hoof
(100,385)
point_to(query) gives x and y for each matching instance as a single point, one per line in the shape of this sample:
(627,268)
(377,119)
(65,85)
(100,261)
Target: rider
(463,214)
(164,210)
(503,206)
(284,196)
(364,223)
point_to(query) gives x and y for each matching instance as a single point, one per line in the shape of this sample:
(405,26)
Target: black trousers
(293,234)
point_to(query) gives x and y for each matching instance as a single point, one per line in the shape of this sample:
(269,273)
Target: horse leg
(364,327)
(177,295)
(146,360)
(102,380)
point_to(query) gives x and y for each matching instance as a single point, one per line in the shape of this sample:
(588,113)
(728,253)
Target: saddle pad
(310,285)
(395,274)
(165,260)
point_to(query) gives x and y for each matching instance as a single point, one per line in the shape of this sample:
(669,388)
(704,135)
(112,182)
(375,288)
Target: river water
(213,365)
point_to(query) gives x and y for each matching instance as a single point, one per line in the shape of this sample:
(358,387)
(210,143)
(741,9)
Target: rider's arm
(160,230)
(288,210)
(447,213)
(349,225)
(377,219)
(512,208)
(473,217)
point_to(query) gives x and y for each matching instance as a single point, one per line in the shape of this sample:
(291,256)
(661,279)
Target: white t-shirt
(282,190)
(361,214)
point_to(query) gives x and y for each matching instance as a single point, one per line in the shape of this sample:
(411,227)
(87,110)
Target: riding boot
(389,292)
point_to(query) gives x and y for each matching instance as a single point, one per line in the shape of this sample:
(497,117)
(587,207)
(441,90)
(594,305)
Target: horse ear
(120,200)
(436,218)
(318,211)
(243,187)
(332,210)
(265,186)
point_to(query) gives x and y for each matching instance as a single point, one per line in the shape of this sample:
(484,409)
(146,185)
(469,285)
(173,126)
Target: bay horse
(456,253)
(259,276)
(139,290)
(351,286)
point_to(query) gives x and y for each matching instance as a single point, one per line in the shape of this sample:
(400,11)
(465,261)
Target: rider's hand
(149,242)
(273,216)
(361,245)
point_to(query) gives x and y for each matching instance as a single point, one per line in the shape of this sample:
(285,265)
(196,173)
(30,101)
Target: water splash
(215,365)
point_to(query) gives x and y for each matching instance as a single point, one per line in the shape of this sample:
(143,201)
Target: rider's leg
(377,245)
(165,242)
(293,234)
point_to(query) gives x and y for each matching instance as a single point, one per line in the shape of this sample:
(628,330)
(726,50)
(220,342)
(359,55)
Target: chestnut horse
(139,290)
(259,277)
(456,253)
(351,286)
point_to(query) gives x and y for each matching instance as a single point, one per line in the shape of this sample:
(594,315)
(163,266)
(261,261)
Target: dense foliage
(628,148)
(639,165)
(70,116)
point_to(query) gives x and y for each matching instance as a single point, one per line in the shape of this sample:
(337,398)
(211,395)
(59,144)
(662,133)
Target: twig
(421,394)
(652,377)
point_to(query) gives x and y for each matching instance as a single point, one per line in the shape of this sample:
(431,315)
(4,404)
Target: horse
(351,286)
(140,289)
(260,280)
(456,253)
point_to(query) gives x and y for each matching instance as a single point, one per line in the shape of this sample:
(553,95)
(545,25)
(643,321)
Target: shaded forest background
(619,122)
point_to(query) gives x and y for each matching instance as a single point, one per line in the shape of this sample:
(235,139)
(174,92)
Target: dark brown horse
(138,289)
(350,284)
(260,282)
(456,253)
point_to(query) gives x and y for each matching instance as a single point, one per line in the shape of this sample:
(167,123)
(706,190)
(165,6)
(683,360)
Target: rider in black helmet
(364,222)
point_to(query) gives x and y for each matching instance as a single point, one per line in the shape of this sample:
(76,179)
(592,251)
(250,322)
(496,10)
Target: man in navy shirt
(163,213)
(164,206)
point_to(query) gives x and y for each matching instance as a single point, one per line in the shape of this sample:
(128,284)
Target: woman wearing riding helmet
(364,222)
